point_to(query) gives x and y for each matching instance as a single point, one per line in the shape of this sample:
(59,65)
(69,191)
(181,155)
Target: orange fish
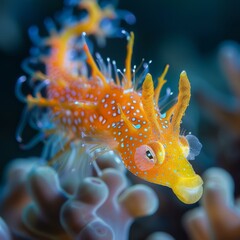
(112,113)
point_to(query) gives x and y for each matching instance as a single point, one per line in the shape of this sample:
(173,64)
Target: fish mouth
(189,190)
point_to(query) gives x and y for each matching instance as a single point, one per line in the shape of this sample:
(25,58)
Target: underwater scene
(120,120)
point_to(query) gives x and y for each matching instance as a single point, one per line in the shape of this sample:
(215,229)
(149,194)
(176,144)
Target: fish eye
(144,157)
(149,154)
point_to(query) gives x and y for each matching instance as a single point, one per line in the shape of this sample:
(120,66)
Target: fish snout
(189,190)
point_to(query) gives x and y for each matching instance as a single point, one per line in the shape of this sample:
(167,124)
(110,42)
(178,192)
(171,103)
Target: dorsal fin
(128,61)
(148,102)
(161,82)
(182,103)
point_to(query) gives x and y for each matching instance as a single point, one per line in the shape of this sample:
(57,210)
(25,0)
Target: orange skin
(114,114)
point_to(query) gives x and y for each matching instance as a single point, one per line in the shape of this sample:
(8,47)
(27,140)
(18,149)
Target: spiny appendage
(132,77)
(126,79)
(95,70)
(150,99)
(94,24)
(128,62)
(59,40)
(53,103)
(40,101)
(104,76)
(42,120)
(182,103)
(91,25)
(161,82)
(148,102)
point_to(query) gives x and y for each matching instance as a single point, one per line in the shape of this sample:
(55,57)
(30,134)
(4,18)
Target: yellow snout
(189,190)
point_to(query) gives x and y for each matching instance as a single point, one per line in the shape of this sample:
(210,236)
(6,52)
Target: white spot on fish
(68,112)
(91,119)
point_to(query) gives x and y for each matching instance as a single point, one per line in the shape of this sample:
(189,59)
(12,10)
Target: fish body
(95,107)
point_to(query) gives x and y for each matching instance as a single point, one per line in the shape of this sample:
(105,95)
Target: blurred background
(188,35)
